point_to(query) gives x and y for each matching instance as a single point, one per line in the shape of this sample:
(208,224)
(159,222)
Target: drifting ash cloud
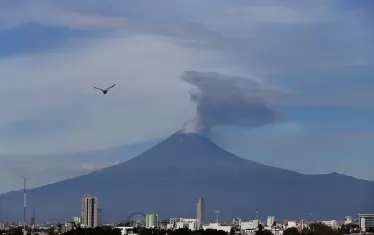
(224,100)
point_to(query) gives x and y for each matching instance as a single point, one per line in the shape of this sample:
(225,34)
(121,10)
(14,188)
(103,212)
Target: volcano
(170,177)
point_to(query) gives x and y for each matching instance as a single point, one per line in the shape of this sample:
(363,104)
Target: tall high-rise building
(200,213)
(89,214)
(151,220)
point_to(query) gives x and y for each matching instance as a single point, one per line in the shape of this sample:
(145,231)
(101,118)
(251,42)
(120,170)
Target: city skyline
(89,219)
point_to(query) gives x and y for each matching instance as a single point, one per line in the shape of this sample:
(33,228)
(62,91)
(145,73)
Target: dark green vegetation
(321,229)
(75,231)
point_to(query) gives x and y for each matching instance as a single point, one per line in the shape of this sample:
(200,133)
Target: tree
(322,229)
(349,228)
(264,232)
(291,231)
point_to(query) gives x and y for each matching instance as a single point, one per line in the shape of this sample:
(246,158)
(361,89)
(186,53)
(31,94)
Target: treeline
(182,231)
(94,231)
(314,229)
(322,229)
(19,231)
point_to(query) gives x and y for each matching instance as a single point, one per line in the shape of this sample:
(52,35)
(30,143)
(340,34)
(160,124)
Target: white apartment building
(218,227)
(331,223)
(366,221)
(270,221)
(291,224)
(177,223)
(249,225)
(348,220)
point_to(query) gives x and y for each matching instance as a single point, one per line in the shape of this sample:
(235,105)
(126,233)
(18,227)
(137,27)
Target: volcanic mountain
(170,177)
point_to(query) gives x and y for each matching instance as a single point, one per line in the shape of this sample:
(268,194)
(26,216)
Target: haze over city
(302,70)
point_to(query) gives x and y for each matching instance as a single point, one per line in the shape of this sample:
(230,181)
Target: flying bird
(104,90)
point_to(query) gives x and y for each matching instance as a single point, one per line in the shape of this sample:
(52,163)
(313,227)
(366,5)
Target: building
(366,222)
(348,220)
(99,216)
(163,224)
(77,220)
(218,227)
(179,223)
(151,220)
(126,230)
(290,224)
(33,222)
(68,226)
(270,221)
(89,212)
(249,226)
(200,213)
(330,223)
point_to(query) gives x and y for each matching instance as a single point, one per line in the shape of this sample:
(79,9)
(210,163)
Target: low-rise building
(348,220)
(330,223)
(125,230)
(218,227)
(178,223)
(249,226)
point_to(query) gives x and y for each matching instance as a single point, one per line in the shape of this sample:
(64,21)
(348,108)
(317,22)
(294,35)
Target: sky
(52,52)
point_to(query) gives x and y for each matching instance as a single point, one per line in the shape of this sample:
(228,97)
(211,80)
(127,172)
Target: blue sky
(51,52)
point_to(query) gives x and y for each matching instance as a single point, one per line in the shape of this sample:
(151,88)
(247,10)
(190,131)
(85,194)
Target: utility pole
(24,205)
(33,220)
(1,217)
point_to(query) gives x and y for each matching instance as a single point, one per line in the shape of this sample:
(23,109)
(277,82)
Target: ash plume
(224,100)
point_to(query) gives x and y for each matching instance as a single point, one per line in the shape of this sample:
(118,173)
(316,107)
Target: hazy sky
(52,52)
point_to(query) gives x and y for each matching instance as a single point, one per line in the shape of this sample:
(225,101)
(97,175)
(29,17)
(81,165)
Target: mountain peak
(190,138)
(186,150)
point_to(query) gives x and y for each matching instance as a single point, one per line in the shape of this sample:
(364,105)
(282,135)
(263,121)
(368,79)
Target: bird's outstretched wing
(98,88)
(111,86)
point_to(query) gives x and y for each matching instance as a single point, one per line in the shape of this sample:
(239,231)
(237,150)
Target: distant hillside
(169,177)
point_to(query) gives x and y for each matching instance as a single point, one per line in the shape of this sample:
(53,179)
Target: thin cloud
(135,63)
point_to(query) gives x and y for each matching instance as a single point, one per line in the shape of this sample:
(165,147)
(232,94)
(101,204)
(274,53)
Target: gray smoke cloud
(224,100)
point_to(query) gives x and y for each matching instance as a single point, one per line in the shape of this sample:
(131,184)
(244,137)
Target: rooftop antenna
(217,216)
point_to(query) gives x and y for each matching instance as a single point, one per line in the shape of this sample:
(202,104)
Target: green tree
(262,231)
(322,229)
(291,231)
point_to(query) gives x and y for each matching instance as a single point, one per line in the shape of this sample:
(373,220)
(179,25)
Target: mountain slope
(169,177)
